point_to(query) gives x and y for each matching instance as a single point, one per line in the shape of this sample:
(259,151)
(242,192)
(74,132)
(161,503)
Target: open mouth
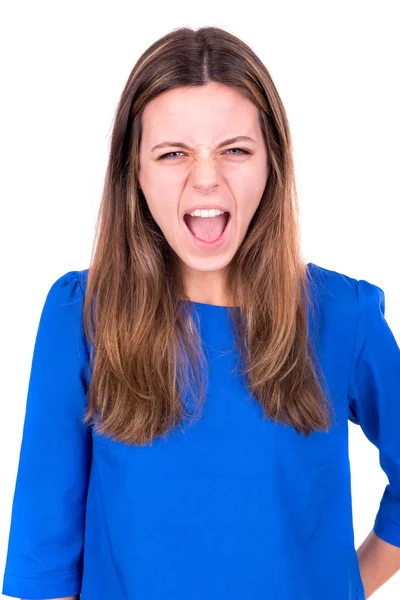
(207,229)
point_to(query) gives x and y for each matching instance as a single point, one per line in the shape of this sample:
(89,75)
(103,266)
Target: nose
(204,176)
(205,187)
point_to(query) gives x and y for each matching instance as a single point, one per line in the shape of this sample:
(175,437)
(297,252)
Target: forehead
(195,112)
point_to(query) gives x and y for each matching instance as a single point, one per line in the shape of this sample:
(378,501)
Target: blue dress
(234,507)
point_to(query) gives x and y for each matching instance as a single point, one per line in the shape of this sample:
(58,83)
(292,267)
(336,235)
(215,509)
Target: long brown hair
(146,348)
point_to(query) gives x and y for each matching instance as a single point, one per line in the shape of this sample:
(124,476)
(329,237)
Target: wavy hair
(146,346)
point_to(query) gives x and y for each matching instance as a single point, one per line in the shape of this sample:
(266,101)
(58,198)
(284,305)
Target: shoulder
(341,286)
(71,284)
(71,279)
(332,283)
(342,295)
(334,296)
(62,310)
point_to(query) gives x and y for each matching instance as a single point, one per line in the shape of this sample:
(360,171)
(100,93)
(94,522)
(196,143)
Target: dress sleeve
(46,537)
(374,399)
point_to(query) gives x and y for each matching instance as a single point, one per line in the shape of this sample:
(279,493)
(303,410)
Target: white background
(63,68)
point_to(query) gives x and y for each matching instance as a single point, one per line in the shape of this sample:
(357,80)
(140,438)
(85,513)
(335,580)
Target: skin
(378,561)
(202,117)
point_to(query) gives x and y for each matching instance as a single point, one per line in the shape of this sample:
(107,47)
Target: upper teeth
(213,212)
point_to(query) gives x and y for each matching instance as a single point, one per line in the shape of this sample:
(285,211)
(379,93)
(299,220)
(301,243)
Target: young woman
(186,428)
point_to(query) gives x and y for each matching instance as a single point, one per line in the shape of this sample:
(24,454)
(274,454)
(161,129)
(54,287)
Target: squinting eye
(240,150)
(164,156)
(168,155)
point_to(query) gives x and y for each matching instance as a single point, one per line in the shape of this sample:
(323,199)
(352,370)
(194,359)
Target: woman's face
(202,174)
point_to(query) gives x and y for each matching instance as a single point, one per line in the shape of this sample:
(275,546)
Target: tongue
(207,229)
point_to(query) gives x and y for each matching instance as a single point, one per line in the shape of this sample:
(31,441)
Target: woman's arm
(374,404)
(379,561)
(46,540)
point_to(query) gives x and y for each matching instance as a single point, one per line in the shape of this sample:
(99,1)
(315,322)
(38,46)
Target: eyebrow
(239,138)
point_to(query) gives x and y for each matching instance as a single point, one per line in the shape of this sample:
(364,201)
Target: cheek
(251,196)
(163,205)
(249,180)
(254,189)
